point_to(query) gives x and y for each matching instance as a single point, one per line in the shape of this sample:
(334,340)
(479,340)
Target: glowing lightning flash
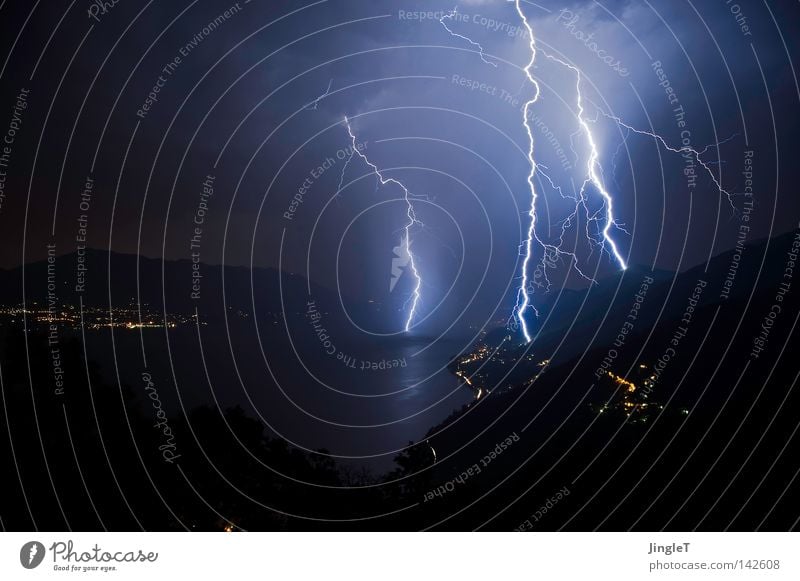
(553,252)
(592,169)
(603,218)
(523,300)
(412,221)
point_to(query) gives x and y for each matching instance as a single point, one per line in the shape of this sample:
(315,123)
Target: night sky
(240,107)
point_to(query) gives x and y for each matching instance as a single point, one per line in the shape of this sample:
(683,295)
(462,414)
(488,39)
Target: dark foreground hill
(686,419)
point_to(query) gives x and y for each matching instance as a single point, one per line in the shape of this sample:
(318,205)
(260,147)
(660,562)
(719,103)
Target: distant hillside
(603,307)
(661,412)
(167,284)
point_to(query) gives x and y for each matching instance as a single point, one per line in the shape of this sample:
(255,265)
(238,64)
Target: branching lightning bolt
(594,177)
(593,169)
(412,221)
(523,300)
(449,16)
(683,150)
(602,219)
(553,252)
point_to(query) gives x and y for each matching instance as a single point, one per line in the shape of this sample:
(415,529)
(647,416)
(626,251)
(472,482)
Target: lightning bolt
(592,176)
(412,221)
(684,150)
(449,16)
(552,253)
(523,299)
(602,219)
